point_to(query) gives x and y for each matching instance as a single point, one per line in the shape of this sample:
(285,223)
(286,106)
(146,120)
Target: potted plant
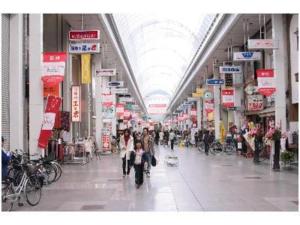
(287,157)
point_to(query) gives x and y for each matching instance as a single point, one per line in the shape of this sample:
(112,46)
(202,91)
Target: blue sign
(214,81)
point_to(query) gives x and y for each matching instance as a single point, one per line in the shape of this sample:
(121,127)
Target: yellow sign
(210,116)
(200,91)
(195,95)
(86,69)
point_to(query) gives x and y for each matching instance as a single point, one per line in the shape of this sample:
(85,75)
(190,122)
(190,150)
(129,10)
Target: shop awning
(263,113)
(50,81)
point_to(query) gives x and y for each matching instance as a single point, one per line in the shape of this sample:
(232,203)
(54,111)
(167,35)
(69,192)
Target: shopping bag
(153,161)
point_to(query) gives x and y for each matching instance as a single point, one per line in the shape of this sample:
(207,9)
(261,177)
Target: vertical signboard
(266,82)
(228,98)
(86,69)
(76,104)
(52,108)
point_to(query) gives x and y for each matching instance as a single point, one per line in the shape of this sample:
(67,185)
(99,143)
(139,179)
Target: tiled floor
(199,183)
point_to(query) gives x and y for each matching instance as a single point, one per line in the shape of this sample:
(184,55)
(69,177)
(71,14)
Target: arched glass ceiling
(160,48)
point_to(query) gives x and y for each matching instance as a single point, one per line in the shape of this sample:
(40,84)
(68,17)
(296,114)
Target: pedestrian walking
(258,145)
(139,161)
(127,148)
(172,139)
(206,141)
(148,147)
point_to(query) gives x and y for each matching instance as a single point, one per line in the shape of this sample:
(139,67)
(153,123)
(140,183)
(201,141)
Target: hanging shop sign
(238,79)
(193,112)
(108,111)
(157,108)
(228,80)
(200,91)
(192,99)
(120,109)
(107,99)
(196,95)
(214,81)
(116,84)
(255,102)
(86,75)
(262,44)
(266,82)
(52,108)
(208,95)
(54,64)
(105,142)
(106,73)
(80,35)
(79,48)
(210,116)
(127,114)
(230,69)
(209,106)
(51,90)
(76,104)
(250,89)
(246,56)
(228,98)
(119,90)
(126,99)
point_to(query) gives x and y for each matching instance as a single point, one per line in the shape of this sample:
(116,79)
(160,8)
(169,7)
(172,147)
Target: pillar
(238,96)
(217,104)
(280,59)
(199,110)
(98,103)
(16,74)
(36,106)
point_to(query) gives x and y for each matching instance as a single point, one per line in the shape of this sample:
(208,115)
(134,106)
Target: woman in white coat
(127,148)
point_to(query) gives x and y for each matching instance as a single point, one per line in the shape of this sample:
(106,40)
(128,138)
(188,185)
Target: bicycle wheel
(7,202)
(201,146)
(58,170)
(216,148)
(51,172)
(33,191)
(229,149)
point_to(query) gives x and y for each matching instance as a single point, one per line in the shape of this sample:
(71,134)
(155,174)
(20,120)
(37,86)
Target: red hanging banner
(53,68)
(228,97)
(265,81)
(52,108)
(209,106)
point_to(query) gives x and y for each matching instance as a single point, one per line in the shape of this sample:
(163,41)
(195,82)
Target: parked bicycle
(29,186)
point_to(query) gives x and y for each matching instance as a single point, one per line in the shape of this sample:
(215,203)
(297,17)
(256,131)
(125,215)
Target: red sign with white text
(53,68)
(84,35)
(265,81)
(228,97)
(52,108)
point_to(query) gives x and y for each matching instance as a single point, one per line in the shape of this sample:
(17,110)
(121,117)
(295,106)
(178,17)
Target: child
(139,164)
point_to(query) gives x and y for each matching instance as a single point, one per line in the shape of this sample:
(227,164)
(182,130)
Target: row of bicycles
(26,179)
(216,147)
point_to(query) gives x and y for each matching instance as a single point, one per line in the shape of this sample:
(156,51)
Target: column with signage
(280,69)
(36,103)
(199,113)
(84,45)
(217,105)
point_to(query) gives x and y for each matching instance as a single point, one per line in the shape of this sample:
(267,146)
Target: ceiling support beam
(110,26)
(222,27)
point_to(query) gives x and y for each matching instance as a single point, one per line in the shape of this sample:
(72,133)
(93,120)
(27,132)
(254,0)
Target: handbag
(153,161)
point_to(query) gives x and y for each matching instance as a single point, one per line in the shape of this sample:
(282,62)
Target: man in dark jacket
(206,141)
(6,157)
(258,144)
